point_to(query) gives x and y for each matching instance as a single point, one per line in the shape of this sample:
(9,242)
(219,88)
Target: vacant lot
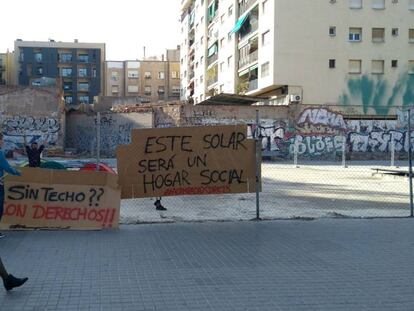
(315,189)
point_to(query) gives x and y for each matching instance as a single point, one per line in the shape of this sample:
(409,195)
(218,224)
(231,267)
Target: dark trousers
(1,201)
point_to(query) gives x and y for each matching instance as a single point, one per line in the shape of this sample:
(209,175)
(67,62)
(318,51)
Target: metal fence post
(410,163)
(258,164)
(344,151)
(98,140)
(295,152)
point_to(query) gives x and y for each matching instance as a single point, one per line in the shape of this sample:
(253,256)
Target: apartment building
(78,67)
(354,52)
(5,68)
(150,79)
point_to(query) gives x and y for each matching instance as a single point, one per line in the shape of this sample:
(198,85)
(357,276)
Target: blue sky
(124,25)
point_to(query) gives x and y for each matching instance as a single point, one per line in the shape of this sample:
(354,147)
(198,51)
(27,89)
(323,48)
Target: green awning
(242,19)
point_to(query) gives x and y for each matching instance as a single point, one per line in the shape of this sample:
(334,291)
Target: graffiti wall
(41,129)
(115,130)
(36,113)
(320,131)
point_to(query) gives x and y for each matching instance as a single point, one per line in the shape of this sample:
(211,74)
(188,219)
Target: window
(265,6)
(411,35)
(411,5)
(132,88)
(265,69)
(38,57)
(39,70)
(67,86)
(355,4)
(201,60)
(394,63)
(114,76)
(354,66)
(378,34)
(332,31)
(222,42)
(377,67)
(222,18)
(394,32)
(378,4)
(65,57)
(201,79)
(332,63)
(174,74)
(115,89)
(161,89)
(93,72)
(82,72)
(176,90)
(83,86)
(84,99)
(133,74)
(201,40)
(68,99)
(222,67)
(147,75)
(66,72)
(147,90)
(229,36)
(230,11)
(83,58)
(265,38)
(411,67)
(161,75)
(229,61)
(355,34)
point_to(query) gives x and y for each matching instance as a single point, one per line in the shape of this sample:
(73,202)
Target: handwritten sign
(187,161)
(58,199)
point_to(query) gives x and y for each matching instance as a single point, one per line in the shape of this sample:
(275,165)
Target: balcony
(245,5)
(253,84)
(212,59)
(248,59)
(251,26)
(248,80)
(191,75)
(212,76)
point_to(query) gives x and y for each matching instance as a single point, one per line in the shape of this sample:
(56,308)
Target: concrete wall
(36,113)
(319,131)
(115,130)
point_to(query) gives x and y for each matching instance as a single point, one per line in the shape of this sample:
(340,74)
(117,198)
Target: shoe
(2,235)
(11,282)
(158,206)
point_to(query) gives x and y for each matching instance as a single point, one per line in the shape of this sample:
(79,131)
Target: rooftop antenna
(144,52)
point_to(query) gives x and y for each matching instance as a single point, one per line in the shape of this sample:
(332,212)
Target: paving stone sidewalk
(326,264)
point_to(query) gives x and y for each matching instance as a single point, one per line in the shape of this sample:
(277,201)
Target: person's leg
(3,272)
(9,281)
(1,206)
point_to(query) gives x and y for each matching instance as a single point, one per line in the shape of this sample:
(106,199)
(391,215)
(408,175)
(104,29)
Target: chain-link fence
(306,189)
(304,175)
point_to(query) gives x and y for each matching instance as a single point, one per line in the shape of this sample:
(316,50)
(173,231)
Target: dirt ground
(312,190)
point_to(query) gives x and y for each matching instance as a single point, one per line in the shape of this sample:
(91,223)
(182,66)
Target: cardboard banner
(187,161)
(59,199)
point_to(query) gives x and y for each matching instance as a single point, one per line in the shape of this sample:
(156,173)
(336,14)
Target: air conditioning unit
(294,98)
